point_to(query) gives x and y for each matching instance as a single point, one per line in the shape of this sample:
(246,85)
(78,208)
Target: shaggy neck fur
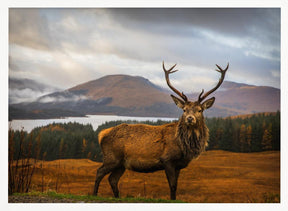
(192,139)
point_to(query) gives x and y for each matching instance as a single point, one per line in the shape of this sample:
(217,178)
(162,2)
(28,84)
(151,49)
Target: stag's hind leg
(101,172)
(114,179)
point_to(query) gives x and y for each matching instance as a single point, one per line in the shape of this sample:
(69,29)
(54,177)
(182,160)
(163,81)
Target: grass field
(217,176)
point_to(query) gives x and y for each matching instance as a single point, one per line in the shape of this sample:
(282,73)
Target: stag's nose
(191,119)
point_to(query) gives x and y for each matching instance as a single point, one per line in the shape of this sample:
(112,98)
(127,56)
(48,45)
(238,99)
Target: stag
(169,147)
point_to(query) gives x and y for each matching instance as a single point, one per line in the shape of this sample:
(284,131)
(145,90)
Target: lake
(94,120)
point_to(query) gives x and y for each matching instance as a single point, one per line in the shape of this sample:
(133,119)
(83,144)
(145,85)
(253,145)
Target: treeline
(73,140)
(259,132)
(61,141)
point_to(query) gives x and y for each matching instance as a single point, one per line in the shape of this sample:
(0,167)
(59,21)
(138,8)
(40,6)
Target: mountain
(247,99)
(137,96)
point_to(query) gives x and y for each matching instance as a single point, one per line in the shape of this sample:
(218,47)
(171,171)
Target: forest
(255,133)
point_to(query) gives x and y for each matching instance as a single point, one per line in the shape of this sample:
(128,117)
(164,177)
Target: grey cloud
(261,27)
(132,33)
(27,27)
(260,23)
(94,42)
(225,20)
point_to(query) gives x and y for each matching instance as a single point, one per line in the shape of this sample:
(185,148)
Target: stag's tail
(103,133)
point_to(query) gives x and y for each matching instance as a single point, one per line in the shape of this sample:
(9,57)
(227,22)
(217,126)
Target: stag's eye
(184,109)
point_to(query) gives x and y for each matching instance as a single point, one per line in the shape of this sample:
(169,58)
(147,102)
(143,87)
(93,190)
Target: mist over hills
(27,90)
(137,96)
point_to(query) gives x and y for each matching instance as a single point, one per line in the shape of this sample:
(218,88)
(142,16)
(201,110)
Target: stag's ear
(208,103)
(178,102)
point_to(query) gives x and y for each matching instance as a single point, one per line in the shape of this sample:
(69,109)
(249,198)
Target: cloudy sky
(66,47)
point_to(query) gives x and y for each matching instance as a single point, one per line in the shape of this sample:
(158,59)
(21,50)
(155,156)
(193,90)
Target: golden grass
(217,176)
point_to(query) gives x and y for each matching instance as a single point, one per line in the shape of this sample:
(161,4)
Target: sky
(66,47)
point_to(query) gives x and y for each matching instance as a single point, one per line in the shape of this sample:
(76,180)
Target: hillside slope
(248,99)
(125,91)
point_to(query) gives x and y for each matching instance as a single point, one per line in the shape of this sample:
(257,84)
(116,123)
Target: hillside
(125,91)
(136,96)
(247,99)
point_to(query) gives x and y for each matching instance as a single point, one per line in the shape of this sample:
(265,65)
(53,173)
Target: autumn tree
(249,137)
(267,138)
(242,138)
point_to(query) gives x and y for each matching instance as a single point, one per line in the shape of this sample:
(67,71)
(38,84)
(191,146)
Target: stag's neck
(192,140)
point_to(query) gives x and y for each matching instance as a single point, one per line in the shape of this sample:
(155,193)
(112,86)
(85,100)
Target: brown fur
(103,133)
(192,141)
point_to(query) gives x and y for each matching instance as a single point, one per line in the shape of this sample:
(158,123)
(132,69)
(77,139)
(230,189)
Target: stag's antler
(220,70)
(167,72)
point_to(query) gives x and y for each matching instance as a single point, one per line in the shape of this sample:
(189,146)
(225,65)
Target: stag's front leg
(172,176)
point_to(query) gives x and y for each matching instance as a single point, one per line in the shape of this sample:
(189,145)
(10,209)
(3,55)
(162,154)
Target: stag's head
(193,110)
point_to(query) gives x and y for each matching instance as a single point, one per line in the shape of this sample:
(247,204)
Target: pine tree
(249,137)
(61,147)
(84,145)
(242,138)
(267,138)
